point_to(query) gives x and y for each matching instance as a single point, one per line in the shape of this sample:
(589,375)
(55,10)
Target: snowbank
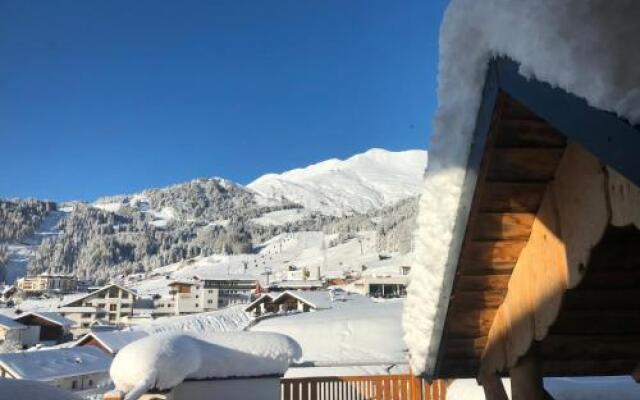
(163,361)
(586,47)
(353,332)
(19,389)
(227,320)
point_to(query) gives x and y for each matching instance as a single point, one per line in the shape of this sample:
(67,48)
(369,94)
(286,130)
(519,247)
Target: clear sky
(108,97)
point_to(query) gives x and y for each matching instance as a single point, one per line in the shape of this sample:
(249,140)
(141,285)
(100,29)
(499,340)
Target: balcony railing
(375,387)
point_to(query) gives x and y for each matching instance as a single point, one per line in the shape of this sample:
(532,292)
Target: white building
(77,368)
(13,333)
(381,286)
(110,341)
(186,297)
(111,303)
(48,282)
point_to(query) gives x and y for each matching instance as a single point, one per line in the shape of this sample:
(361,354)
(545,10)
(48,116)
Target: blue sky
(108,97)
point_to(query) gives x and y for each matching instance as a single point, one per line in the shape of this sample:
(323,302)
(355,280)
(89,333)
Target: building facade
(111,303)
(51,283)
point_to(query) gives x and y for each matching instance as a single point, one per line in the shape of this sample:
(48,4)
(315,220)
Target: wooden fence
(378,387)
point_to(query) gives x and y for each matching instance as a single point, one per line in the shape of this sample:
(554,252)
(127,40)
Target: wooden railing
(378,387)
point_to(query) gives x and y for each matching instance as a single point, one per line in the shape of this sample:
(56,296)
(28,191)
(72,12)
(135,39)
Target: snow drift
(586,47)
(163,361)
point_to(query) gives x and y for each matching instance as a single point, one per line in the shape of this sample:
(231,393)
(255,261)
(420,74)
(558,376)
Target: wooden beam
(487,253)
(527,133)
(526,378)
(493,387)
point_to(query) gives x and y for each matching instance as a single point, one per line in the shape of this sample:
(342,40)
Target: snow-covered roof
(585,47)
(301,283)
(316,299)
(10,323)
(263,297)
(20,389)
(47,365)
(103,288)
(163,361)
(52,317)
(203,276)
(78,309)
(113,341)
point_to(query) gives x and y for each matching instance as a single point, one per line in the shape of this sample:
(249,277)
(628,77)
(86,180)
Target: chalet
(48,327)
(12,331)
(110,341)
(262,305)
(111,302)
(528,261)
(74,369)
(290,300)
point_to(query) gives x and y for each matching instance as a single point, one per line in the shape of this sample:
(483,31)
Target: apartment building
(111,302)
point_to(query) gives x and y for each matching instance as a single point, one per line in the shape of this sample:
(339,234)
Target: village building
(48,283)
(289,301)
(83,317)
(110,341)
(303,284)
(74,369)
(111,303)
(231,290)
(14,333)
(187,297)
(386,287)
(47,327)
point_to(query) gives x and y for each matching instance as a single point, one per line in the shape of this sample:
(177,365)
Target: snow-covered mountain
(367,181)
(372,192)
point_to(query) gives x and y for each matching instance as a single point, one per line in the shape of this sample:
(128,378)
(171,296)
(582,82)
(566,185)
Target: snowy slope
(366,181)
(21,252)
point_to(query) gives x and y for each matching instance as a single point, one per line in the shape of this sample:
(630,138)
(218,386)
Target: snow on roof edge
(585,47)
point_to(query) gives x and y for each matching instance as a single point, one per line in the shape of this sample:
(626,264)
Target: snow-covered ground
(225,320)
(355,331)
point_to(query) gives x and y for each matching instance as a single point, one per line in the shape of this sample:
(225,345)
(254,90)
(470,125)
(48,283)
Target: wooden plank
(524,164)
(482,283)
(286,390)
(502,226)
(486,253)
(476,299)
(471,324)
(511,197)
(527,133)
(465,348)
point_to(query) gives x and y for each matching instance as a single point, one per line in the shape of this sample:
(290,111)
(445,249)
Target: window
(74,384)
(124,305)
(196,305)
(85,324)
(125,295)
(90,382)
(86,315)
(210,301)
(113,307)
(197,296)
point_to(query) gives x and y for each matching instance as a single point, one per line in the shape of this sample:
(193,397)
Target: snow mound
(163,361)
(366,181)
(586,47)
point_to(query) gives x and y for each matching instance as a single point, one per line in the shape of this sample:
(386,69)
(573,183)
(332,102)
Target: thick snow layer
(163,361)
(19,389)
(363,182)
(227,320)
(113,341)
(354,331)
(586,47)
(619,388)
